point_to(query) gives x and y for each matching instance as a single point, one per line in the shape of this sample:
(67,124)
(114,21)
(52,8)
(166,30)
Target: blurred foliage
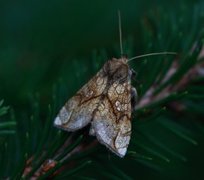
(49,49)
(5,124)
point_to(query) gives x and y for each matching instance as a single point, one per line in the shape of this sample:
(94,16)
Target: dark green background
(56,46)
(39,35)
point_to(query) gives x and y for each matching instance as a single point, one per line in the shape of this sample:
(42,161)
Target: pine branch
(71,148)
(159,136)
(6,127)
(166,88)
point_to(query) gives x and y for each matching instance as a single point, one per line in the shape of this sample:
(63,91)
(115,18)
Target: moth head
(117,69)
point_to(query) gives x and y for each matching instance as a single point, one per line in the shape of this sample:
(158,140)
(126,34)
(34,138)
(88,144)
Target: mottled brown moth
(106,102)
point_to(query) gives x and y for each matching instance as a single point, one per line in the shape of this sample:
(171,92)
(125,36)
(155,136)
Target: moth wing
(111,122)
(78,111)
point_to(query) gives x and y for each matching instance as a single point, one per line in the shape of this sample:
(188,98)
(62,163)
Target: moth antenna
(120,33)
(152,54)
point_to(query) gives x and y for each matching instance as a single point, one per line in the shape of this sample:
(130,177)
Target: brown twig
(150,97)
(49,164)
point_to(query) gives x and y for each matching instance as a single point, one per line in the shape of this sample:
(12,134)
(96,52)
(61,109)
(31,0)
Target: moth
(106,102)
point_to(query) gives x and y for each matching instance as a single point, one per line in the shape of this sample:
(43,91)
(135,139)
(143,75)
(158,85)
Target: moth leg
(134,98)
(133,74)
(92,131)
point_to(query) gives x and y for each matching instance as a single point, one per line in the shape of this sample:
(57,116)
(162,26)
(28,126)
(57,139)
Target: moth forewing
(78,110)
(105,102)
